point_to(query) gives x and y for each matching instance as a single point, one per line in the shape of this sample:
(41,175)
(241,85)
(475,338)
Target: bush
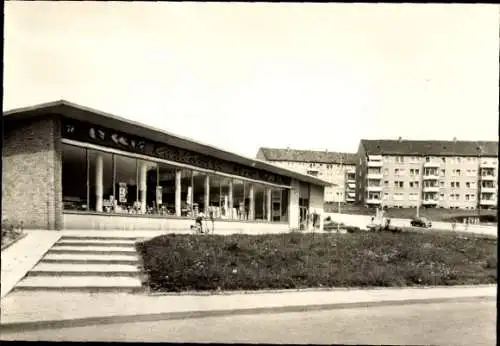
(10,231)
(298,260)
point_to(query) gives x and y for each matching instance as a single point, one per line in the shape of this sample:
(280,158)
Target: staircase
(86,263)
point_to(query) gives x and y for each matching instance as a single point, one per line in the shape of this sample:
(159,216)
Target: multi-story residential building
(444,174)
(337,168)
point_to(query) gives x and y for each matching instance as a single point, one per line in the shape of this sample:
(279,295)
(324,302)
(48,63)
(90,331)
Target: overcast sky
(241,76)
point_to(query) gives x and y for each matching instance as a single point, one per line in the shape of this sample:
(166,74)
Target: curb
(311,289)
(120,319)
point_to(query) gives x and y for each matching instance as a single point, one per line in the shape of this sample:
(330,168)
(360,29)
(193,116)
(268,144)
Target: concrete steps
(79,258)
(79,283)
(86,263)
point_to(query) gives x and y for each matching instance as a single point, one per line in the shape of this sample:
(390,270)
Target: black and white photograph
(250,172)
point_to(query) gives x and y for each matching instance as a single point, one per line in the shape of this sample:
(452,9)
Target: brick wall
(31,172)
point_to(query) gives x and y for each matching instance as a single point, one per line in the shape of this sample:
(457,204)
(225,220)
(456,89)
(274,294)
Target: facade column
(293,205)
(268,204)
(207,195)
(178,192)
(251,199)
(143,186)
(230,198)
(98,182)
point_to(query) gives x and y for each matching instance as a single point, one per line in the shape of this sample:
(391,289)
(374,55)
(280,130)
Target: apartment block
(432,174)
(337,168)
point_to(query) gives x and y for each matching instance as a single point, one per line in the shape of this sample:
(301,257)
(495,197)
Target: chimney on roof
(326,150)
(455,139)
(400,139)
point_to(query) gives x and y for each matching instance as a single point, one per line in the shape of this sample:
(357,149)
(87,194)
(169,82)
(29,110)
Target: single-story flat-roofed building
(66,166)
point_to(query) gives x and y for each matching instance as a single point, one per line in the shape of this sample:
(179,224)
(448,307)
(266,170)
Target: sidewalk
(33,310)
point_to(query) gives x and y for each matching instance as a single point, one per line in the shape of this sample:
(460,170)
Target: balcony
(488,177)
(487,165)
(432,164)
(374,157)
(351,185)
(489,202)
(488,189)
(373,201)
(374,164)
(431,177)
(375,176)
(431,188)
(350,198)
(430,202)
(374,188)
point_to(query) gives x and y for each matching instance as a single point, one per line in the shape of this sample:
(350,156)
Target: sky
(240,76)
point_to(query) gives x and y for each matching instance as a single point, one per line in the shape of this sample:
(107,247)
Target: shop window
(215,196)
(74,178)
(165,190)
(147,182)
(199,193)
(108,172)
(239,210)
(260,198)
(187,193)
(225,198)
(126,184)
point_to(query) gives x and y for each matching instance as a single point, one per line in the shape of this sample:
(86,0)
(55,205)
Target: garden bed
(11,234)
(294,260)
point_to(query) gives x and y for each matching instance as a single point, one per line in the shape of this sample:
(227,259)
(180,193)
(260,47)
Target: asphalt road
(450,323)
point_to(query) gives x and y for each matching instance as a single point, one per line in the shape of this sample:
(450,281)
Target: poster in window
(159,194)
(122,192)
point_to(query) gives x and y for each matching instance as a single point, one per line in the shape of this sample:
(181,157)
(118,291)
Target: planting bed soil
(295,260)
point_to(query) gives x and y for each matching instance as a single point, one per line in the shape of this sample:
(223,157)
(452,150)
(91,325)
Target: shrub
(298,260)
(10,231)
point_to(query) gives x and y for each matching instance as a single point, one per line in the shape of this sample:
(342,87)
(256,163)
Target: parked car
(421,222)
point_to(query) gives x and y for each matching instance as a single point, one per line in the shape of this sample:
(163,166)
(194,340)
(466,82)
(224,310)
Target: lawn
(433,214)
(296,260)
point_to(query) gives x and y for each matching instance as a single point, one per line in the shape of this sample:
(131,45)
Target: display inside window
(98,181)
(74,178)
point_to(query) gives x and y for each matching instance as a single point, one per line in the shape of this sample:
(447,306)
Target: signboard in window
(122,192)
(159,194)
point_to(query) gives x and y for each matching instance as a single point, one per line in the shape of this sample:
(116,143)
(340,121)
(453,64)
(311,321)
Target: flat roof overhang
(82,113)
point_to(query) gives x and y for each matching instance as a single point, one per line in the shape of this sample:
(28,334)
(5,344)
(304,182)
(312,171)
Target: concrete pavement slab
(23,308)
(19,258)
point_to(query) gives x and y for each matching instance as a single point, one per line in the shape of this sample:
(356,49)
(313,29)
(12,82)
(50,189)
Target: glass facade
(98,181)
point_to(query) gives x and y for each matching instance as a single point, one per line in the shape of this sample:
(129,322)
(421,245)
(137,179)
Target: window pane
(186,192)
(260,202)
(74,177)
(239,212)
(126,189)
(107,180)
(224,198)
(148,177)
(199,193)
(284,204)
(215,196)
(166,189)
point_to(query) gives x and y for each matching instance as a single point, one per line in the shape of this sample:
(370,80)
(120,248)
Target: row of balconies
(432,164)
(483,202)
(378,188)
(379,176)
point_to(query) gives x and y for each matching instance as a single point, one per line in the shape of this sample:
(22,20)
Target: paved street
(456,323)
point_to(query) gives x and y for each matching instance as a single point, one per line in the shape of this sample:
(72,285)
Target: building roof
(295,155)
(82,113)
(431,147)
